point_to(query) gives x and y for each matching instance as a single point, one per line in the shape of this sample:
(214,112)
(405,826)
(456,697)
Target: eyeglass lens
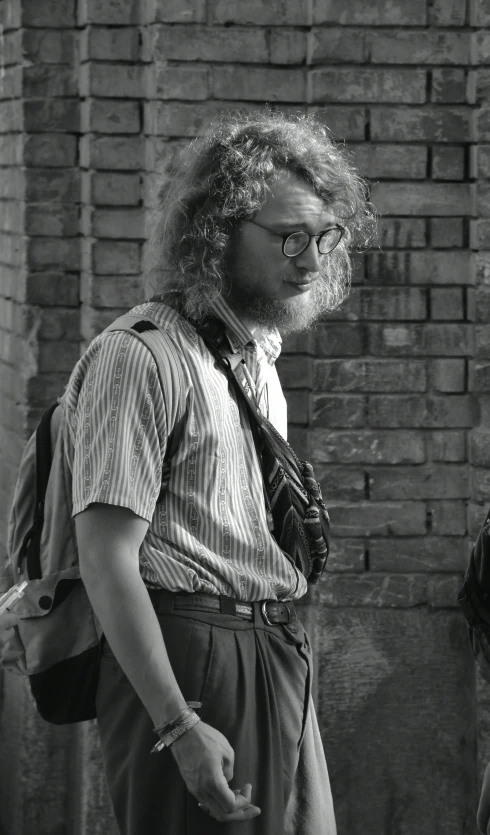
(298,241)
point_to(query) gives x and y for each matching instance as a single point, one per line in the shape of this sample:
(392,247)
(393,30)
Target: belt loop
(227,605)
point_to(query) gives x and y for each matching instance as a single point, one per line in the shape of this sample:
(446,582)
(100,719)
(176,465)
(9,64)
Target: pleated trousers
(254,683)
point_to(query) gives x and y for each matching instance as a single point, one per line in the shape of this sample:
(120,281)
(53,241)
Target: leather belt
(273,611)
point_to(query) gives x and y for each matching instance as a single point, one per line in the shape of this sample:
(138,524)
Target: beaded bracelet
(170,731)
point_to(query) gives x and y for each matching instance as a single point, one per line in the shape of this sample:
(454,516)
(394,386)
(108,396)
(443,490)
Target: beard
(297,314)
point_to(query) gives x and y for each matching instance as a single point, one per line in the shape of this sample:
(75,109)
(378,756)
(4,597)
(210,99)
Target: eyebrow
(299,227)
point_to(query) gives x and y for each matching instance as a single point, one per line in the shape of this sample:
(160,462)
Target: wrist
(171,731)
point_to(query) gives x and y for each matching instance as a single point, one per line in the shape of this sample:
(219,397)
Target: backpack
(474,599)
(57,642)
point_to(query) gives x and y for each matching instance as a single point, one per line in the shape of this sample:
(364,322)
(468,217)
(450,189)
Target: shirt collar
(241,338)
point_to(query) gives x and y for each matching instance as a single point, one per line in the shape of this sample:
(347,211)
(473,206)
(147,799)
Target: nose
(309,259)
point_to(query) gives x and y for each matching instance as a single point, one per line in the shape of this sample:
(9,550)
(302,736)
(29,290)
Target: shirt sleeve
(120,428)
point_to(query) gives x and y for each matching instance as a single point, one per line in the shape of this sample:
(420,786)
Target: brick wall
(389,397)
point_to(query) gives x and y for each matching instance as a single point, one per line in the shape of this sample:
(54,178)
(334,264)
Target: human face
(265,286)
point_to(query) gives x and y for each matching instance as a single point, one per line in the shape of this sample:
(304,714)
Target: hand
(205,760)
(483,814)
(7,623)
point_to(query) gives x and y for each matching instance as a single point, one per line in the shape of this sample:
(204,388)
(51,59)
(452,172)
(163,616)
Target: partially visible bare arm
(109,539)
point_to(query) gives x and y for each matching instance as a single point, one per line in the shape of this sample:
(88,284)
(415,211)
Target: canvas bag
(57,641)
(474,599)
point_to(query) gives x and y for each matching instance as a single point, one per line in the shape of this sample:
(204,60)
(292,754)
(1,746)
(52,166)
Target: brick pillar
(480,309)
(39,336)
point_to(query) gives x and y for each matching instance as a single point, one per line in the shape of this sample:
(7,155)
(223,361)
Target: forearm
(123,607)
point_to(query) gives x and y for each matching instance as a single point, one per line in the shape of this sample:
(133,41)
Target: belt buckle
(264,613)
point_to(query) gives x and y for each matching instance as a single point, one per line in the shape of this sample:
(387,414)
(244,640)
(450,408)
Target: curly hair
(223,178)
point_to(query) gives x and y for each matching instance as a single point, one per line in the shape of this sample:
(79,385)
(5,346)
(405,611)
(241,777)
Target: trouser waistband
(272,611)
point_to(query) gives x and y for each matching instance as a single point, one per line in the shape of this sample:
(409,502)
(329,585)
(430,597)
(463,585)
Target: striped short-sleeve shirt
(200,489)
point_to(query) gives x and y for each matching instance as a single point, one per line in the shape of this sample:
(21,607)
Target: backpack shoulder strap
(165,355)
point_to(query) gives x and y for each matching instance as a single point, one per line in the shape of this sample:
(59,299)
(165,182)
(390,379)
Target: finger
(221,793)
(483,813)
(216,812)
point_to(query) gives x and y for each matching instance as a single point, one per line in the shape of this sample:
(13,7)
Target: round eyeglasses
(296,242)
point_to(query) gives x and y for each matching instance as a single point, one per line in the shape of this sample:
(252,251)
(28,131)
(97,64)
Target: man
(253,229)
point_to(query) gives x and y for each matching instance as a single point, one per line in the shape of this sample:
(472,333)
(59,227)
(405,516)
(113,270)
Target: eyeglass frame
(318,237)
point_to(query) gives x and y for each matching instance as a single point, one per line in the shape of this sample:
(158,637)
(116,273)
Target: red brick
(176,11)
(424,267)
(50,150)
(426,340)
(112,12)
(482,377)
(447,446)
(394,303)
(12,217)
(480,13)
(109,188)
(417,554)
(258,84)
(58,324)
(374,13)
(52,219)
(11,48)
(341,483)
(448,86)
(390,161)
(161,154)
(483,199)
(183,119)
(185,82)
(483,123)
(98,43)
(447,518)
(342,411)
(287,46)
(49,46)
(115,257)
(446,232)
(55,115)
(482,339)
(368,85)
(195,43)
(11,250)
(401,233)
(338,340)
(94,322)
(482,303)
(257,13)
(428,124)
(11,150)
(455,411)
(125,224)
(49,80)
(428,481)
(447,375)
(112,152)
(422,198)
(11,116)
(337,46)
(346,555)
(298,407)
(55,14)
(447,303)
(112,290)
(480,484)
(367,447)
(476,517)
(11,83)
(112,80)
(56,356)
(371,519)
(429,47)
(53,253)
(369,375)
(447,13)
(110,116)
(344,122)
(480,234)
(49,288)
(295,371)
(448,163)
(394,591)
(58,184)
